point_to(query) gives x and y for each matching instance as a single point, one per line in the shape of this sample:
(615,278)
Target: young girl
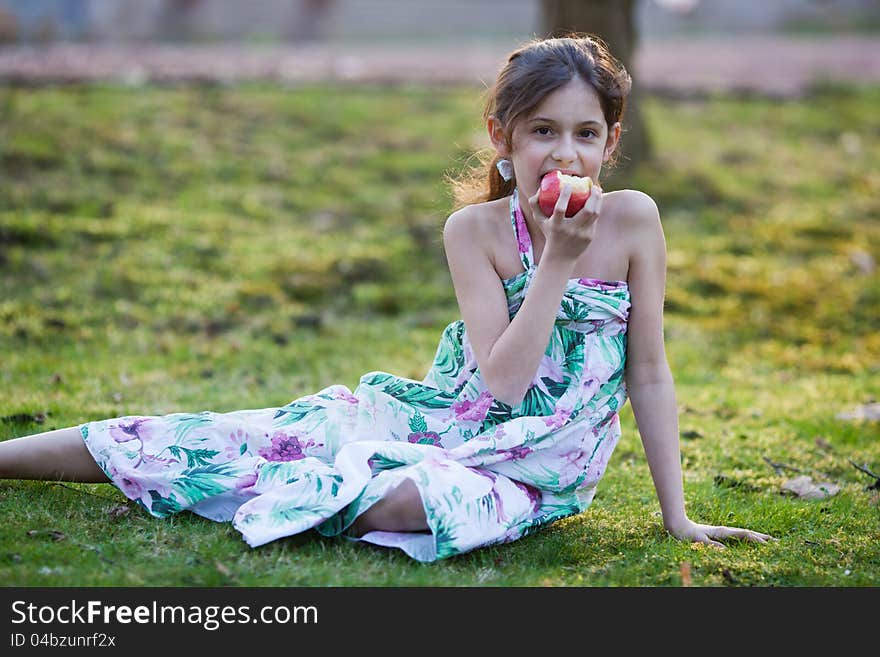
(513,425)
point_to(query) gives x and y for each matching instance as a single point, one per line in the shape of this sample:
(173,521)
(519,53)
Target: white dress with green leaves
(487,472)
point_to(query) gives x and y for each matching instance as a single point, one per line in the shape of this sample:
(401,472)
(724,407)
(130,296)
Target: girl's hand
(568,238)
(712,534)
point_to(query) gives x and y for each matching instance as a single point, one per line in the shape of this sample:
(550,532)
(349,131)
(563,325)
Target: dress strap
(521,232)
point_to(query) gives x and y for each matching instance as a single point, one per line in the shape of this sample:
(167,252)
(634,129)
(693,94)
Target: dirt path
(782,66)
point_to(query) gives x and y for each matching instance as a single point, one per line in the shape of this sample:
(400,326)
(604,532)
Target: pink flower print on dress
(424,438)
(532,493)
(347,396)
(519,452)
(498,434)
(419,433)
(237,445)
(473,411)
(137,429)
(148,463)
(134,489)
(522,233)
(246,481)
(558,418)
(283,448)
(600,459)
(498,501)
(607,286)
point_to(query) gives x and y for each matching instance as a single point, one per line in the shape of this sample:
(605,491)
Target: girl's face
(567,131)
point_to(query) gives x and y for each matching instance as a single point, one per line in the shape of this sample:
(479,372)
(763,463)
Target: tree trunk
(613,21)
(177,20)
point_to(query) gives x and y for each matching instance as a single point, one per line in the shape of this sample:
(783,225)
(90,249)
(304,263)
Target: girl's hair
(532,72)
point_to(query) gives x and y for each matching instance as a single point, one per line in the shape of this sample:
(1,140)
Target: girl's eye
(588,134)
(543,130)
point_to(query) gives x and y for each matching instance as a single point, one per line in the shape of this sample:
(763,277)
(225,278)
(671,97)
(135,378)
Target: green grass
(221,248)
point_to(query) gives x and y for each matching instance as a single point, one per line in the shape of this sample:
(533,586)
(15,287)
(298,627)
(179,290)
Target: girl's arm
(508,352)
(648,377)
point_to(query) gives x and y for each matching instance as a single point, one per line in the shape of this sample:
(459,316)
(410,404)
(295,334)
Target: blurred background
(779,49)
(341,21)
(210,204)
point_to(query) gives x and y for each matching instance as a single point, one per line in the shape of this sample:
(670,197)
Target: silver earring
(505,168)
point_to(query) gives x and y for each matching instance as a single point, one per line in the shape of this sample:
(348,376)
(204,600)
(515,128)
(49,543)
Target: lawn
(170,249)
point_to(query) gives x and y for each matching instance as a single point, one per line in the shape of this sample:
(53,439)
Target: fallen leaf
(821,443)
(118,511)
(851,144)
(863,260)
(870,412)
(223,569)
(685,571)
(805,488)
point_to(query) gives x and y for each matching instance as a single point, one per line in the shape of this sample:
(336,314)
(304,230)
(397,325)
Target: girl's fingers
(533,204)
(731,532)
(590,212)
(562,202)
(758,537)
(754,536)
(594,201)
(742,534)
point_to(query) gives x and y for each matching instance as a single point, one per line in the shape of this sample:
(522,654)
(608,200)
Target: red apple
(551,185)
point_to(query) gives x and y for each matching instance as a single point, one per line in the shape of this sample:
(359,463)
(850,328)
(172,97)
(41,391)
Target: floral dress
(487,472)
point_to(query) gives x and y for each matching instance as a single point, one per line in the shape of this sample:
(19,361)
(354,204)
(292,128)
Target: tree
(177,19)
(613,21)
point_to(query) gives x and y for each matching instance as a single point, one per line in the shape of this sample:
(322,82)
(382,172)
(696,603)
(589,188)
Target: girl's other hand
(568,238)
(712,534)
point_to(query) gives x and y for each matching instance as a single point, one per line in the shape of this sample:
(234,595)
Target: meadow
(169,249)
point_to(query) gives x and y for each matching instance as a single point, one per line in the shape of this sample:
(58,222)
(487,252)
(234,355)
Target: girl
(514,423)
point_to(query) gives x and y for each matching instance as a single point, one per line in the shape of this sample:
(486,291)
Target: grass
(220,248)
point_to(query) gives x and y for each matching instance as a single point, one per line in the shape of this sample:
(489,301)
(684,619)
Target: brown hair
(532,72)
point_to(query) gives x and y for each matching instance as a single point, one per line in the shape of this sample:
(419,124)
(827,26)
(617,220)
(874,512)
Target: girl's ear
(497,136)
(612,141)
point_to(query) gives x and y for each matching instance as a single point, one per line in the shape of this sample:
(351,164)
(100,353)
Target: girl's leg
(400,510)
(59,455)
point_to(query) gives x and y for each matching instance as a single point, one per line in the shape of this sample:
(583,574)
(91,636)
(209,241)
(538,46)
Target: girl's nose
(564,151)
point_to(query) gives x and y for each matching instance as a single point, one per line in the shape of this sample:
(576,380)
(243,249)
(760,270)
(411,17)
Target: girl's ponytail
(498,186)
(480,182)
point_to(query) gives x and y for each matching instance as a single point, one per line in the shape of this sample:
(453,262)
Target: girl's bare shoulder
(484,229)
(632,224)
(631,207)
(479,221)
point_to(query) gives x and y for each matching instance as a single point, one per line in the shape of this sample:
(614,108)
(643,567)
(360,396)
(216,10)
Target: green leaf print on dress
(187,422)
(198,483)
(486,472)
(194,457)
